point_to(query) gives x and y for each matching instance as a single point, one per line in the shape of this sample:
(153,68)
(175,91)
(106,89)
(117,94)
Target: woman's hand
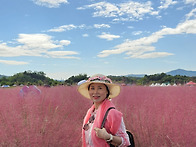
(102,133)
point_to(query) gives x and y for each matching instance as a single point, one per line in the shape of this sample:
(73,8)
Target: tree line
(40,79)
(29,78)
(146,80)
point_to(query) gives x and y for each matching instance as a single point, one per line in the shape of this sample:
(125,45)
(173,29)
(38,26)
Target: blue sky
(68,37)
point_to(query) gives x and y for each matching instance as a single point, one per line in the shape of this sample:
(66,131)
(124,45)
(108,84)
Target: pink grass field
(157,116)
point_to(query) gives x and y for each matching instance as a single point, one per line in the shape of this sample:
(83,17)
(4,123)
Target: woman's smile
(96,97)
(98,92)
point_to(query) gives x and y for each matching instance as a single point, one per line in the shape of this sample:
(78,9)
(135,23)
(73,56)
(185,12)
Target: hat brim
(113,88)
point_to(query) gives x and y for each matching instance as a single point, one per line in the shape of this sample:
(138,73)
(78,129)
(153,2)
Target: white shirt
(121,133)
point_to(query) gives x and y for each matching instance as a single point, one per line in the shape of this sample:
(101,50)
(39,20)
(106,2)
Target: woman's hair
(106,89)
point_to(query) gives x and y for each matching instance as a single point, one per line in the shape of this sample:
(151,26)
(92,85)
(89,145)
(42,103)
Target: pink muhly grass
(157,116)
(160,116)
(54,119)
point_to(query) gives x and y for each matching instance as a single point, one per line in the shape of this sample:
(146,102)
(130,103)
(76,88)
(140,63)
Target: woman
(100,90)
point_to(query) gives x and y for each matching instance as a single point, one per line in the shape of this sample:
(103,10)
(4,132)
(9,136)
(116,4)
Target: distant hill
(2,76)
(182,72)
(135,75)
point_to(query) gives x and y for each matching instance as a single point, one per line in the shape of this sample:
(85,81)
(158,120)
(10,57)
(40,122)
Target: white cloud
(10,62)
(136,9)
(190,2)
(63,28)
(7,51)
(130,27)
(101,26)
(104,9)
(66,28)
(69,27)
(108,37)
(85,35)
(50,3)
(137,32)
(191,15)
(37,41)
(151,55)
(166,3)
(62,54)
(35,45)
(65,42)
(128,11)
(142,48)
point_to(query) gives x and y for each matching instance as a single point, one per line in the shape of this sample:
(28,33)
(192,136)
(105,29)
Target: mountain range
(180,72)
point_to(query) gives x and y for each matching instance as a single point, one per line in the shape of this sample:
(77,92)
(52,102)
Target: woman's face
(97,92)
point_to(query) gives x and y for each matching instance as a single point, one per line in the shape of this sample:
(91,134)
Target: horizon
(130,74)
(64,38)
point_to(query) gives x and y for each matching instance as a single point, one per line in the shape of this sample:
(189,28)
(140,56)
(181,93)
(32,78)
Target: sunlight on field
(157,116)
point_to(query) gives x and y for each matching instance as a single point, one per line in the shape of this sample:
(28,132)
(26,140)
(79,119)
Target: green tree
(75,79)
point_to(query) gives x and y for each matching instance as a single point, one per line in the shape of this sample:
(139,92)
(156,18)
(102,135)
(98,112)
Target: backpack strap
(104,119)
(131,138)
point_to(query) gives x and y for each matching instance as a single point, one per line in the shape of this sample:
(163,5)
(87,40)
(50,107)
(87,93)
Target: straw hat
(99,78)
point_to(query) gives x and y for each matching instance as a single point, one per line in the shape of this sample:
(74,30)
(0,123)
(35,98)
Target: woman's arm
(120,139)
(123,134)
(102,133)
